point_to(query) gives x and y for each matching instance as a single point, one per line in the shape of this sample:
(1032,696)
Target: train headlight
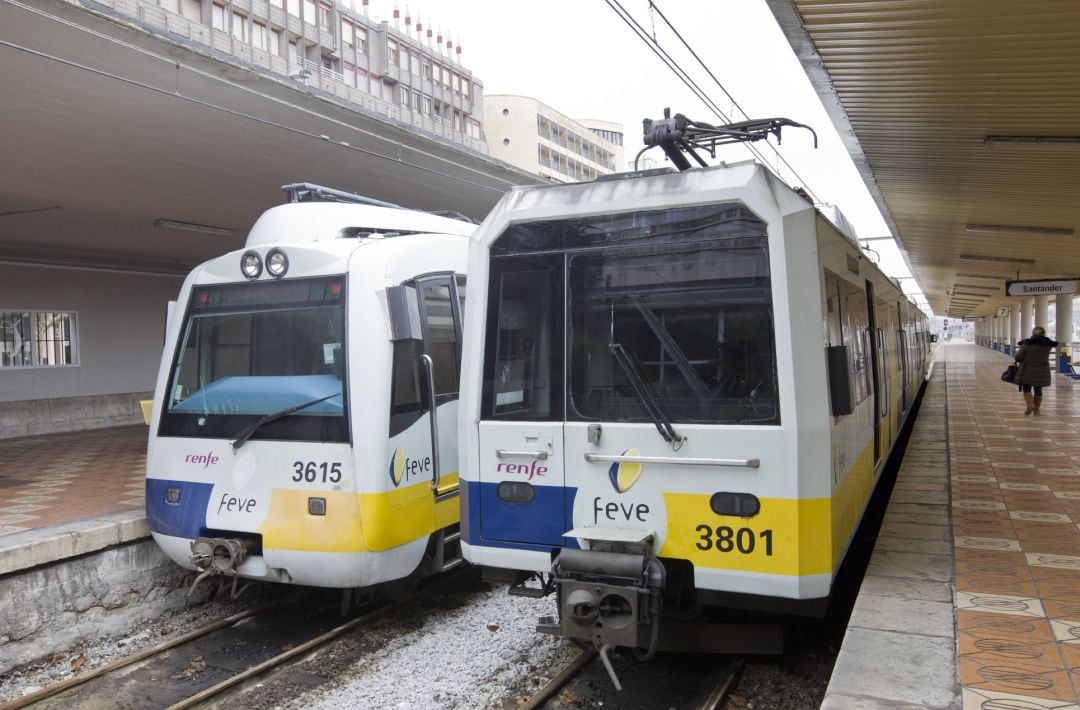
(251,264)
(316,506)
(277,263)
(743,505)
(515,492)
(172,495)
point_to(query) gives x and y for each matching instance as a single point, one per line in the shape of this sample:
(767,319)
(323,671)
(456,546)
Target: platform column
(1042,304)
(1014,326)
(1026,306)
(1064,324)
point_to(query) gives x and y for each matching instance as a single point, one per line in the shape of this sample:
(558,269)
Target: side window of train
(460,284)
(441,331)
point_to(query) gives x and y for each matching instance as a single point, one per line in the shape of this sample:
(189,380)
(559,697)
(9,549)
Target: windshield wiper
(274,416)
(645,394)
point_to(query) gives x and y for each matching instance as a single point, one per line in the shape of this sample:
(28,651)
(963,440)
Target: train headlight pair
(251,264)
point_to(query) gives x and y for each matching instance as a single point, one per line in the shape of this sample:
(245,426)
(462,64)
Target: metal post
(1064,334)
(1014,326)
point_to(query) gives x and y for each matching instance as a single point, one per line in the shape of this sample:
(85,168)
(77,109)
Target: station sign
(1042,288)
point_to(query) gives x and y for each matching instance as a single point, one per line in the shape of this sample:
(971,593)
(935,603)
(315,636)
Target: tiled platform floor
(1016,524)
(58,478)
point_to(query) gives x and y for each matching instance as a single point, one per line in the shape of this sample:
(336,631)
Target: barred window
(37,339)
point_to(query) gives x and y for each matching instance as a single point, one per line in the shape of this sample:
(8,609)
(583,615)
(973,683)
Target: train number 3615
(311,472)
(727,539)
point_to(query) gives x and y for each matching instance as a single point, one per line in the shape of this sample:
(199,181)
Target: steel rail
(56,688)
(322,639)
(560,679)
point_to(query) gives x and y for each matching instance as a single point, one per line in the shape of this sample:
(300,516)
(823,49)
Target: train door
(521,477)
(902,364)
(876,370)
(884,409)
(441,363)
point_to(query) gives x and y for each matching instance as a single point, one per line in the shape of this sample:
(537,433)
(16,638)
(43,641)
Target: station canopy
(963,118)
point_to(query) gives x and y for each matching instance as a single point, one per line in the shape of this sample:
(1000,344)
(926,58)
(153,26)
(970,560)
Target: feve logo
(624,474)
(403,468)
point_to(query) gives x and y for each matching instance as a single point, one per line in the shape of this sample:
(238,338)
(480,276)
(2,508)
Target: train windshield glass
(252,349)
(689,323)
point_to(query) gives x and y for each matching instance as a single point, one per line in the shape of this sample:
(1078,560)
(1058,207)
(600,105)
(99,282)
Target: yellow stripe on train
(795,537)
(366,522)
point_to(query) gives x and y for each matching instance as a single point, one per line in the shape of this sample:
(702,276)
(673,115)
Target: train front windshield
(250,350)
(667,311)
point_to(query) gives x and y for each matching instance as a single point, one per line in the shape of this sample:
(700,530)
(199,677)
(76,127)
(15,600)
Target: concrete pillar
(1014,326)
(995,336)
(1026,306)
(1064,323)
(1041,305)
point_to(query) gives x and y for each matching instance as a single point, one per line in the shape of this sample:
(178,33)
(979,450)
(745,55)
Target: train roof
(746,182)
(326,221)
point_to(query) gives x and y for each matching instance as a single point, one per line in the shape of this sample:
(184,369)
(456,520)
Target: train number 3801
(727,539)
(311,472)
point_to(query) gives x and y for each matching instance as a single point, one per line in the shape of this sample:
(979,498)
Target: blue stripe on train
(184,519)
(538,525)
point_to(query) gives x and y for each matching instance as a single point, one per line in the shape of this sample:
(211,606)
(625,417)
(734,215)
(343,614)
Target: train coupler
(217,556)
(608,598)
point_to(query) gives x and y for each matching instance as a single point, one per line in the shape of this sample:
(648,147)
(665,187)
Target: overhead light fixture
(968,293)
(977,287)
(998,259)
(991,277)
(192,227)
(990,141)
(1018,229)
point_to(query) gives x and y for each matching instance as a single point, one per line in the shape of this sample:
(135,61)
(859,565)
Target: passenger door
(521,415)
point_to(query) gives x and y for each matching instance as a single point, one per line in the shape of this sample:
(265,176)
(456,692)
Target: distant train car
(305,419)
(680,389)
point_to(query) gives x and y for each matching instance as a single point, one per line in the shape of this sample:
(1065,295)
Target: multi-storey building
(405,71)
(535,137)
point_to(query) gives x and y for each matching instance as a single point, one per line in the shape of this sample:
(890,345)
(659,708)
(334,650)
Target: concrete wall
(121,325)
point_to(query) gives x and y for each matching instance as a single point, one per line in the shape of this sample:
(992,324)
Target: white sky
(581,59)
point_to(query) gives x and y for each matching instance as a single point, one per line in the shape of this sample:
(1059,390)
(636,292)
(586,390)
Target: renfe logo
(523,469)
(205,459)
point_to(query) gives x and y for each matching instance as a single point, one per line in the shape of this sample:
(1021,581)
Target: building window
(465,81)
(258,35)
(436,73)
(457,82)
(404,96)
(239,27)
(361,41)
(275,42)
(294,7)
(427,105)
(414,63)
(392,52)
(326,15)
(472,128)
(37,339)
(309,11)
(348,31)
(457,120)
(416,101)
(217,17)
(349,74)
(427,71)
(276,3)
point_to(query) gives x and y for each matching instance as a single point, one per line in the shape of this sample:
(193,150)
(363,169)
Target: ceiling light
(1018,229)
(992,277)
(192,227)
(1001,259)
(977,287)
(990,141)
(980,296)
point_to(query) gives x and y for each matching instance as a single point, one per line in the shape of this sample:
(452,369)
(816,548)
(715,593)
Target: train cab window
(688,324)
(523,347)
(252,349)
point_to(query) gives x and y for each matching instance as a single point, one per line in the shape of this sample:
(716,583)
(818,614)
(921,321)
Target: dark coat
(1034,354)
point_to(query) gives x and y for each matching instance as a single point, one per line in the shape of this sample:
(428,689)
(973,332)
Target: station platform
(971,599)
(972,596)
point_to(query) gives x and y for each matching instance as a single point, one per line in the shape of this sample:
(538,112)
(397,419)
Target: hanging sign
(1041,288)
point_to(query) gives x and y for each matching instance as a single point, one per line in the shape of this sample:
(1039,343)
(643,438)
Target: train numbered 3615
(679,389)
(304,428)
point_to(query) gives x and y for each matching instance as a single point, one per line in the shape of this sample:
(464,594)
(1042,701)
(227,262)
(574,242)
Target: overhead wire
(693,85)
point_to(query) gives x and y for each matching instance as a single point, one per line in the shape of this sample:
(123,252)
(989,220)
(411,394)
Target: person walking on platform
(1033,356)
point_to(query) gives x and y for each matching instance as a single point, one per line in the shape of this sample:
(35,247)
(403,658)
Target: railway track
(204,665)
(660,683)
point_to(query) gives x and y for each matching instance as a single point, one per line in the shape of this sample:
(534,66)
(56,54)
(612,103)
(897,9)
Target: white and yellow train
(679,389)
(305,419)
